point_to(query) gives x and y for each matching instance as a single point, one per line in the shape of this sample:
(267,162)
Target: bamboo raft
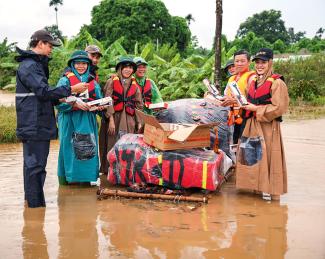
(104,193)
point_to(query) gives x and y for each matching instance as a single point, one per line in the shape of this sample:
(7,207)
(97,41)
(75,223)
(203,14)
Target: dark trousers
(238,131)
(35,159)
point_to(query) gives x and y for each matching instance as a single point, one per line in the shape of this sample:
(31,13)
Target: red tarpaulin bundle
(133,161)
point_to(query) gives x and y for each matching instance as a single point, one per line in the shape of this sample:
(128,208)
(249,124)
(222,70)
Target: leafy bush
(304,76)
(8,124)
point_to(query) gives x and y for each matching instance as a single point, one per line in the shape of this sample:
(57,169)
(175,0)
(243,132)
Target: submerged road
(233,225)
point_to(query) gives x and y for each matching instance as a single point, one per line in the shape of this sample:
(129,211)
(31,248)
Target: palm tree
(217,62)
(320,32)
(189,18)
(55,3)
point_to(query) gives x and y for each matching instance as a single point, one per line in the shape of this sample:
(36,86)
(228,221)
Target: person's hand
(228,100)
(211,99)
(97,108)
(111,127)
(250,107)
(102,107)
(140,129)
(81,105)
(79,88)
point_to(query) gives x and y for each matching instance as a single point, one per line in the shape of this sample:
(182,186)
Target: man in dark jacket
(36,124)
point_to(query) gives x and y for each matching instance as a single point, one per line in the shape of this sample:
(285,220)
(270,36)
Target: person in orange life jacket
(78,132)
(36,124)
(121,117)
(95,55)
(268,101)
(243,77)
(149,90)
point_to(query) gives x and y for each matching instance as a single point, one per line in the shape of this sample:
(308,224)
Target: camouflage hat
(229,63)
(140,61)
(93,49)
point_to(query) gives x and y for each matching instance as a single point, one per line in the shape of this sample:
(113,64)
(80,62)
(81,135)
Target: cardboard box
(158,105)
(171,136)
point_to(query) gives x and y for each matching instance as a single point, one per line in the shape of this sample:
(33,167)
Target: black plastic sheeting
(200,112)
(84,146)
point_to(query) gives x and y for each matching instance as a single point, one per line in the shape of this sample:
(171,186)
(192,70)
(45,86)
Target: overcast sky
(20,18)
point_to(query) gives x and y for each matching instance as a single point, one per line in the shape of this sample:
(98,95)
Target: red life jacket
(261,95)
(146,92)
(73,79)
(118,96)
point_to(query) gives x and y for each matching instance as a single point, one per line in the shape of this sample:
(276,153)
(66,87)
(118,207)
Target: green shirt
(156,96)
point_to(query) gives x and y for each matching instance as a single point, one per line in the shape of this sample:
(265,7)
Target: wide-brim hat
(46,36)
(126,61)
(79,55)
(264,54)
(140,61)
(228,64)
(93,49)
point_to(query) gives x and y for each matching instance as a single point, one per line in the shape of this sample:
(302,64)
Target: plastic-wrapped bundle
(133,161)
(199,111)
(250,150)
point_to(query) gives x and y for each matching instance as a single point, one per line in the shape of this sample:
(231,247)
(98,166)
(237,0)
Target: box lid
(148,119)
(179,135)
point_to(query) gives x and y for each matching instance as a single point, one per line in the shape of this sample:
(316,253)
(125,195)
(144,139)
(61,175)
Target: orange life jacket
(235,113)
(261,95)
(118,96)
(146,92)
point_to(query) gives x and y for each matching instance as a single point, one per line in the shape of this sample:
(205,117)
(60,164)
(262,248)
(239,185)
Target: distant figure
(121,118)
(95,55)
(263,168)
(149,90)
(229,68)
(78,131)
(36,124)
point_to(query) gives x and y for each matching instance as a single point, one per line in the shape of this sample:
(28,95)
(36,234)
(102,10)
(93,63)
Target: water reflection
(34,243)
(77,222)
(230,226)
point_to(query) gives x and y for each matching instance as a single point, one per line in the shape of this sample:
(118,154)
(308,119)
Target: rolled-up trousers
(35,159)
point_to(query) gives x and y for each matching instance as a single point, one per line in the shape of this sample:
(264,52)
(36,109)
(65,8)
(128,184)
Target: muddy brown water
(233,225)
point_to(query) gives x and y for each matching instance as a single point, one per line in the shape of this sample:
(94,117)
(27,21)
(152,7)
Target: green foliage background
(138,21)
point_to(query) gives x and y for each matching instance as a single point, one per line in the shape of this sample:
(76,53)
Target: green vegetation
(304,77)
(176,76)
(8,124)
(138,21)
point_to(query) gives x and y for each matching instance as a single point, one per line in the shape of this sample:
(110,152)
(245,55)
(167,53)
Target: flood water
(232,225)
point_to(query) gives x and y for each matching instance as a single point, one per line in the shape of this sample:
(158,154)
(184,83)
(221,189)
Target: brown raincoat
(269,174)
(123,122)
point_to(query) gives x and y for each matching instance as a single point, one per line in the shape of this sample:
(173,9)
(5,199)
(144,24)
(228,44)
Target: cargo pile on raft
(184,147)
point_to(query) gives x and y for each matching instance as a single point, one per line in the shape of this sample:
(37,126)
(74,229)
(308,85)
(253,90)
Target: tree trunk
(56,17)
(217,63)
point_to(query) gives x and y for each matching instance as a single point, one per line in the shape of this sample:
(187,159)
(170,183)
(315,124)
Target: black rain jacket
(35,98)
